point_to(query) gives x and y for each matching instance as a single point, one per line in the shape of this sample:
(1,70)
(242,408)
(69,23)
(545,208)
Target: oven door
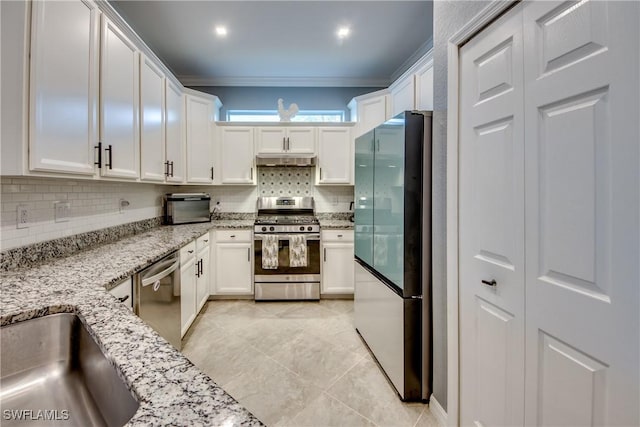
(284,272)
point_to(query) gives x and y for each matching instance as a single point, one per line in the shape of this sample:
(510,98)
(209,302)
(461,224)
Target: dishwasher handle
(164,273)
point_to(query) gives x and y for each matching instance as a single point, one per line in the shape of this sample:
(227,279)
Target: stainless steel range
(287,249)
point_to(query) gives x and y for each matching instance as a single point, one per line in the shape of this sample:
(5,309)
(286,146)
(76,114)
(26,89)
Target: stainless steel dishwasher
(157,297)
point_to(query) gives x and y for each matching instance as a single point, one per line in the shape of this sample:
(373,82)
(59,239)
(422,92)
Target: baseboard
(438,411)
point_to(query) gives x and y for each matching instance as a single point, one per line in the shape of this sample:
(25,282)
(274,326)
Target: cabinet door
(403,96)
(271,140)
(203,277)
(175,132)
(371,113)
(424,88)
(152,136)
(199,142)
(301,140)
(337,268)
(236,155)
(64,87)
(335,158)
(119,101)
(233,268)
(187,294)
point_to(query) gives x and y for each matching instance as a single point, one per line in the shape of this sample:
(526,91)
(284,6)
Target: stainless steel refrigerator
(393,249)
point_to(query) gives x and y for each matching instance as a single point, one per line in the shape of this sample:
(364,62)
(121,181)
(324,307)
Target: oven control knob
(302,228)
(309,228)
(271,228)
(264,228)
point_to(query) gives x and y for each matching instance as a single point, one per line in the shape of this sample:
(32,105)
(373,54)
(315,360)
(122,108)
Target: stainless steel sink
(52,373)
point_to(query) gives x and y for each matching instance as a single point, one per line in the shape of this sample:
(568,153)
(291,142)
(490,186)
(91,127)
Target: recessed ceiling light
(221,31)
(343,32)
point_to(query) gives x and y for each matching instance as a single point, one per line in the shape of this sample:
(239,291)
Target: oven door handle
(287,236)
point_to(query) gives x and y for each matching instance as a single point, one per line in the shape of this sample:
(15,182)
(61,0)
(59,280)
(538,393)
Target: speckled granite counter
(170,390)
(335,224)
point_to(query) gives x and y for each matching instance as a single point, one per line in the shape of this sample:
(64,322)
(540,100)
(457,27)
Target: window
(272,116)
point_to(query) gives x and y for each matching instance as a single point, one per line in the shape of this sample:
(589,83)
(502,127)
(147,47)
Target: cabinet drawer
(203,241)
(337,235)
(233,236)
(188,251)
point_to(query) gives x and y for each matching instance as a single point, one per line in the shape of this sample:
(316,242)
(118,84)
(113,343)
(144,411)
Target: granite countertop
(336,224)
(169,388)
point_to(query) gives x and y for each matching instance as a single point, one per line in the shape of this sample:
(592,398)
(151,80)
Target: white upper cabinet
(64,87)
(237,165)
(424,87)
(152,129)
(369,111)
(403,95)
(200,161)
(335,156)
(174,132)
(285,140)
(119,104)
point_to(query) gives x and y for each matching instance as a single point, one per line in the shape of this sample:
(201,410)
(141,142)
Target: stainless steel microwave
(184,208)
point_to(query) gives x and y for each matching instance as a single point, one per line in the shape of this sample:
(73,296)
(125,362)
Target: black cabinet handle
(288,144)
(110,150)
(325,254)
(490,283)
(249,254)
(251,174)
(190,252)
(124,298)
(166,169)
(211,173)
(320,173)
(99,162)
(171,169)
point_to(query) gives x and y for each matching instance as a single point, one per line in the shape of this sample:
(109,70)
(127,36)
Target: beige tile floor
(297,364)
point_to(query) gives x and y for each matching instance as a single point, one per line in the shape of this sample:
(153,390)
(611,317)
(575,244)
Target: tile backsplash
(95,205)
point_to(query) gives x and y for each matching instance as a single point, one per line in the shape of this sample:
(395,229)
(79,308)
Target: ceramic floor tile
(427,419)
(338,305)
(325,411)
(365,389)
(318,361)
(271,392)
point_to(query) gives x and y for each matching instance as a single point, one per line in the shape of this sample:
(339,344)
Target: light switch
(62,211)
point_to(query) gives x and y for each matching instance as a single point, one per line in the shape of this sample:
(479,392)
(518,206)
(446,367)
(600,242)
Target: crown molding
(418,56)
(195,81)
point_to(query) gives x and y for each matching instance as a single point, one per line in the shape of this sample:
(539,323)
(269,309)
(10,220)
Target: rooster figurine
(286,115)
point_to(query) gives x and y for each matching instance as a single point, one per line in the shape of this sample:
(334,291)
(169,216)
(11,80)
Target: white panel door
(152,136)
(119,104)
(199,142)
(64,87)
(337,268)
(335,159)
(492,226)
(237,159)
(174,132)
(582,222)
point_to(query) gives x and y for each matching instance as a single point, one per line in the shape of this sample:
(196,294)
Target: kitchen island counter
(168,387)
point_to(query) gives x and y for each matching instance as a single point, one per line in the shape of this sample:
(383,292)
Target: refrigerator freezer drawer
(387,323)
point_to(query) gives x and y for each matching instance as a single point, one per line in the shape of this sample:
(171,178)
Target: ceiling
(283,43)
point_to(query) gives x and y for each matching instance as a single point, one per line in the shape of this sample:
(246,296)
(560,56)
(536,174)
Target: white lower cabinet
(203,271)
(337,262)
(187,286)
(233,263)
(124,292)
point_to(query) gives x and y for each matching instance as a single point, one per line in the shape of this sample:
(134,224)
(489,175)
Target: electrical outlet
(62,211)
(22,216)
(334,200)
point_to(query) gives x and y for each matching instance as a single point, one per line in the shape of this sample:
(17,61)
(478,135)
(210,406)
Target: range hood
(285,160)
